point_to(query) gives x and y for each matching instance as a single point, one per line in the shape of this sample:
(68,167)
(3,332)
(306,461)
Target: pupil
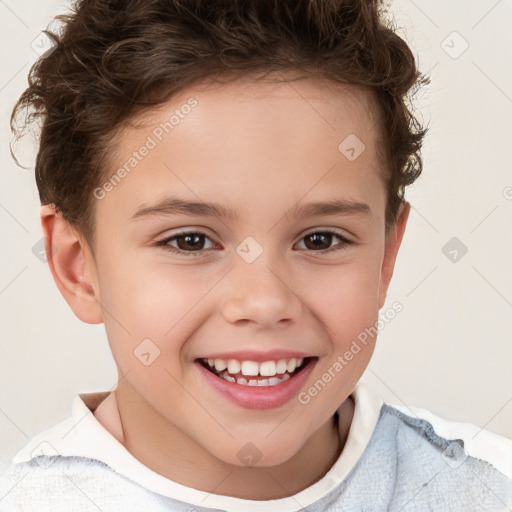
(193,245)
(317,236)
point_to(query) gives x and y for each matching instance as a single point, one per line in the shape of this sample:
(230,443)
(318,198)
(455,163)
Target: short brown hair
(116,57)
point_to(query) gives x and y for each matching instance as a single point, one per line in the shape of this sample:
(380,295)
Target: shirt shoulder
(441,464)
(60,484)
(475,441)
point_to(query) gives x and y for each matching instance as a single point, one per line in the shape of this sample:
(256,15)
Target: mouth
(256,383)
(256,374)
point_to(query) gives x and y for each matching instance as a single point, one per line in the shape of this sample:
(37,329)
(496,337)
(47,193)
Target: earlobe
(72,265)
(392,244)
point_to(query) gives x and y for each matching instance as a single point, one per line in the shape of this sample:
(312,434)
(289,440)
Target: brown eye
(320,241)
(190,241)
(187,243)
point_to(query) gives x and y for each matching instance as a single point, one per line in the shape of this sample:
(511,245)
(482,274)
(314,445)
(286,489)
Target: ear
(72,265)
(392,244)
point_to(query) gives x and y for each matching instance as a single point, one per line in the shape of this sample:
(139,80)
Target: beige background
(450,348)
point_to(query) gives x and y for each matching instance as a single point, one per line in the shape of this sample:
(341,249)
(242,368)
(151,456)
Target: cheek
(345,302)
(151,296)
(345,297)
(151,301)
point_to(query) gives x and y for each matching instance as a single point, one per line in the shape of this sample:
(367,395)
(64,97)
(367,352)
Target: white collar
(82,435)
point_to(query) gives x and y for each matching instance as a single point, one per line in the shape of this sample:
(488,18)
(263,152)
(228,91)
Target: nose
(260,293)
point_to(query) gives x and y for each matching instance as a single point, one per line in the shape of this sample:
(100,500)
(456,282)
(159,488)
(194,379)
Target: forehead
(259,102)
(321,102)
(257,138)
(290,86)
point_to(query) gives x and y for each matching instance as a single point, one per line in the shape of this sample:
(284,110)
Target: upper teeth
(265,369)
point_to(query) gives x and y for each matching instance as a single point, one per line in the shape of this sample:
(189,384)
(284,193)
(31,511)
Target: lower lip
(255,397)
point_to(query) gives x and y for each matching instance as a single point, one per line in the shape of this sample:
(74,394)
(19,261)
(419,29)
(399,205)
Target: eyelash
(345,242)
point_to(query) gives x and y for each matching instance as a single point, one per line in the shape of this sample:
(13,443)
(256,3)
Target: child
(222,185)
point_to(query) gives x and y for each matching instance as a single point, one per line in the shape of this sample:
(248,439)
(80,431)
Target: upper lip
(260,357)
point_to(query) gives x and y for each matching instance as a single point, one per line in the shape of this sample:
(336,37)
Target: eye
(189,242)
(322,239)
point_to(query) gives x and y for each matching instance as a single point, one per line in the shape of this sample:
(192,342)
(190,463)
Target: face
(250,230)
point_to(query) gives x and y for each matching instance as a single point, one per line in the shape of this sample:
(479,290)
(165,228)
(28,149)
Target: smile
(266,373)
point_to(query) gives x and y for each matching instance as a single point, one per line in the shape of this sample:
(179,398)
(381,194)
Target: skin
(262,148)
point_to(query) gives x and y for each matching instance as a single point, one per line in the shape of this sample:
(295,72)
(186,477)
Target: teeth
(292,364)
(268,368)
(250,368)
(219,364)
(255,382)
(281,366)
(253,368)
(233,366)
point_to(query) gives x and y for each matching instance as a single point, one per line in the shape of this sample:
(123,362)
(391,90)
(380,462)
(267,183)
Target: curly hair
(114,58)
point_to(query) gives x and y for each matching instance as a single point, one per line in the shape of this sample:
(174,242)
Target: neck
(167,450)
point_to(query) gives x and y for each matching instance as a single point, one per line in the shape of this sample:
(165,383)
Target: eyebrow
(174,206)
